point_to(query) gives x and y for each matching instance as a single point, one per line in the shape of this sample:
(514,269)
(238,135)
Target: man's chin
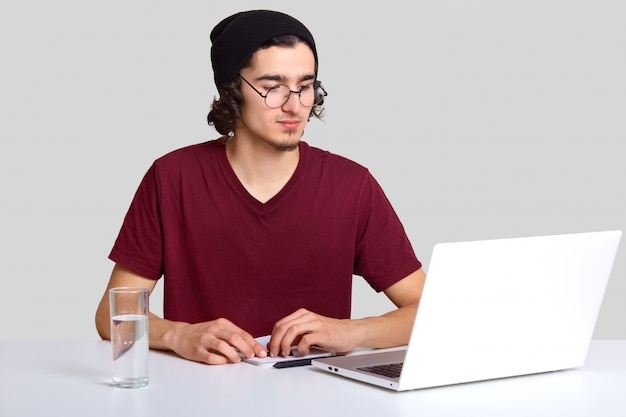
(287,147)
(288,143)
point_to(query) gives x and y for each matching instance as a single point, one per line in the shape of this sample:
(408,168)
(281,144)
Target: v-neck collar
(251,201)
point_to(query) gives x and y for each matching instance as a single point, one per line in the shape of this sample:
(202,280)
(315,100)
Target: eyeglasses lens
(309,95)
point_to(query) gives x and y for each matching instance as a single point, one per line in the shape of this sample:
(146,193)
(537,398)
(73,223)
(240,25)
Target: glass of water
(129,336)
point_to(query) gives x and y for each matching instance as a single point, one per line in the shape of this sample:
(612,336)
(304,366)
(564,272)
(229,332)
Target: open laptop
(497,308)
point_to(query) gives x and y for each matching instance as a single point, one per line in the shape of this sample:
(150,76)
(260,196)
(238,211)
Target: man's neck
(262,168)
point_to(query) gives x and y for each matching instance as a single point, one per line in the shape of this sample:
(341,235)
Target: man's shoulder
(330,160)
(194,152)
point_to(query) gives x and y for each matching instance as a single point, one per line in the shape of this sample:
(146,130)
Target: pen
(291,364)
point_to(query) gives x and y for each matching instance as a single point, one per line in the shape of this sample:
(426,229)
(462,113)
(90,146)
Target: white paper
(314,352)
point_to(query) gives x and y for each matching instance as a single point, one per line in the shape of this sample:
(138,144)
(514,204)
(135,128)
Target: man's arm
(212,342)
(306,328)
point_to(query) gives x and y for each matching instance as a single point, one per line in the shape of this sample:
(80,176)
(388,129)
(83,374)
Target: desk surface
(72,378)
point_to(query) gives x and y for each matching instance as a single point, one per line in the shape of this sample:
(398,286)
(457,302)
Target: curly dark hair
(226,110)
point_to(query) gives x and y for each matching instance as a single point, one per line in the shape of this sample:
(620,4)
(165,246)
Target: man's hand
(304,329)
(215,342)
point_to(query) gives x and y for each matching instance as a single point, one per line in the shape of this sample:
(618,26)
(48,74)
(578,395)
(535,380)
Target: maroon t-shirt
(223,253)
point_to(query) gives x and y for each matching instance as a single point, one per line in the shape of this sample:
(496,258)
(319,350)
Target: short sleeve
(384,254)
(139,245)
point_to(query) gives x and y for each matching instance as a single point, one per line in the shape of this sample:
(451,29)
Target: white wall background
(481,119)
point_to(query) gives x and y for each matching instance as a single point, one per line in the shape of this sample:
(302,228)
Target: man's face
(281,127)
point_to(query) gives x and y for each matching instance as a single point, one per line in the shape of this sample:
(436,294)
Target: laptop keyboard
(390,370)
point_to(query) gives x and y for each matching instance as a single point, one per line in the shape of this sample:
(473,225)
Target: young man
(257,232)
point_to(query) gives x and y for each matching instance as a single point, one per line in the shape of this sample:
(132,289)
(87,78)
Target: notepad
(314,352)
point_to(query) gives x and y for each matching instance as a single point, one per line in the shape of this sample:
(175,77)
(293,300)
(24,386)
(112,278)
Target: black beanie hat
(237,37)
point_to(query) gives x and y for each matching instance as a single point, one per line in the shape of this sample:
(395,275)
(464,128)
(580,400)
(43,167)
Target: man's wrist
(167,334)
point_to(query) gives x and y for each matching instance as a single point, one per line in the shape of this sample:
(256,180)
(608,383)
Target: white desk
(72,378)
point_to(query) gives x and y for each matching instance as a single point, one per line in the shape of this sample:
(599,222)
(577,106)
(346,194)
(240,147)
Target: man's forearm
(391,329)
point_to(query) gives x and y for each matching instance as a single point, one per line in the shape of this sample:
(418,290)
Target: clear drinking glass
(129,336)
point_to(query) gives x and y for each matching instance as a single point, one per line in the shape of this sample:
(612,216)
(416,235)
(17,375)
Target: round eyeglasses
(310,95)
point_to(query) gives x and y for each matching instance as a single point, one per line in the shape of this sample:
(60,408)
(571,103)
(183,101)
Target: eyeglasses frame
(316,84)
